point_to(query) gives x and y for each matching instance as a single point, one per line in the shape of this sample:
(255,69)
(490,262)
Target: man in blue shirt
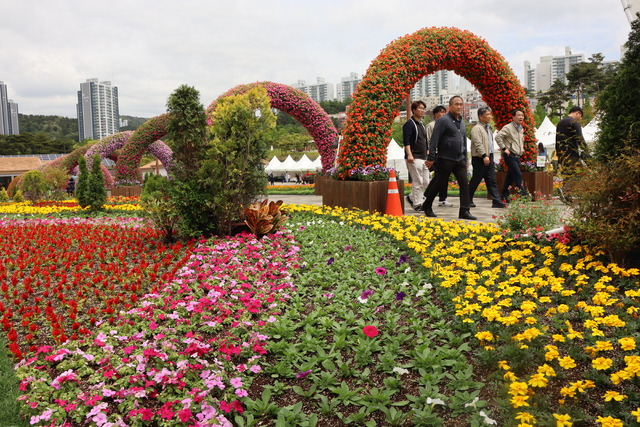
(449,143)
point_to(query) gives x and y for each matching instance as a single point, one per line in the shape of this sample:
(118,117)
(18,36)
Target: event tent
(546,134)
(395,159)
(274,165)
(305,164)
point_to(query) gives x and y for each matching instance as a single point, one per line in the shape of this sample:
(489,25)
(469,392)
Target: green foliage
(186,131)
(553,100)
(158,206)
(334,107)
(39,143)
(56,127)
(606,206)
(18,197)
(154,186)
(9,392)
(34,186)
(524,216)
(133,123)
(539,114)
(90,190)
(97,190)
(4,196)
(619,103)
(57,178)
(232,176)
(82,186)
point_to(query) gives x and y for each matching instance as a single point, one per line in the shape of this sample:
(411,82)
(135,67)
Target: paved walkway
(484,212)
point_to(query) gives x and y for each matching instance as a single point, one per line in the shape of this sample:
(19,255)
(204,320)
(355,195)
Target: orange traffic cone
(393,196)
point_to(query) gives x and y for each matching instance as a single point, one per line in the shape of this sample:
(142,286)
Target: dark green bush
(34,186)
(605,198)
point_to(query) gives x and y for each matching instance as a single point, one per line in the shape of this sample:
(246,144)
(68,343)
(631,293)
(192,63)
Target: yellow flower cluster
(26,208)
(559,303)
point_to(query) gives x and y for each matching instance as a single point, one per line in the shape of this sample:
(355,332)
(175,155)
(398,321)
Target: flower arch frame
(139,143)
(107,146)
(392,74)
(302,108)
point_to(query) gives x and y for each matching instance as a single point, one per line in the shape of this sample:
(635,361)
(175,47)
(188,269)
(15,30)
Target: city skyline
(214,46)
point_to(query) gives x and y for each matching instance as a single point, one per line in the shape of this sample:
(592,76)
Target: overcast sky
(149,48)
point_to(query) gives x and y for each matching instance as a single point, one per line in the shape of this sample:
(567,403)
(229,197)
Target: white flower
(406,270)
(435,401)
(427,286)
(405,283)
(400,370)
(466,405)
(487,419)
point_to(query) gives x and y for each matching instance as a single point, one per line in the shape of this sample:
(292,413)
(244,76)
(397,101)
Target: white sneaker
(445,203)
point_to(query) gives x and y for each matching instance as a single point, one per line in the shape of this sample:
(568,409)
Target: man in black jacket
(570,143)
(449,141)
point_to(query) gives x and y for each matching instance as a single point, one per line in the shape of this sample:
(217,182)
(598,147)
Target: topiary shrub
(97,190)
(34,186)
(57,178)
(4,196)
(18,197)
(606,206)
(82,186)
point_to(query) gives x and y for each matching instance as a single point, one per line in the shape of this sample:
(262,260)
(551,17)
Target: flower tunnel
(302,108)
(292,101)
(392,74)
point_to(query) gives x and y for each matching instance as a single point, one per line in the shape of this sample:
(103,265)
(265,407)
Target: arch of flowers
(290,100)
(107,146)
(392,74)
(299,106)
(131,153)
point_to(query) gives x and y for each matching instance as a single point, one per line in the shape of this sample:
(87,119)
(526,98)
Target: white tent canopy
(590,131)
(289,165)
(274,165)
(305,164)
(395,159)
(546,134)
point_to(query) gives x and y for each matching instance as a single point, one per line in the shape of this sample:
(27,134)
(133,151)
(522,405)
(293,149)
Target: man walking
(570,143)
(482,158)
(414,136)
(510,139)
(448,143)
(438,112)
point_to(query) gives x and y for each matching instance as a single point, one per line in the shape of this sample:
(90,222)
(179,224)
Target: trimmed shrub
(34,186)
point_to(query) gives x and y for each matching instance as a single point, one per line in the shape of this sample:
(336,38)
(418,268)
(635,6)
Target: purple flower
(400,296)
(303,374)
(402,259)
(330,261)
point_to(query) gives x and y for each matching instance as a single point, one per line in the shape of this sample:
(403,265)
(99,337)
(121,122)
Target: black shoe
(498,205)
(428,211)
(465,214)
(472,205)
(417,208)
(409,200)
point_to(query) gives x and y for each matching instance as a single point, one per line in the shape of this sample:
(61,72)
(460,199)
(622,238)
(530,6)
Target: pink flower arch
(302,108)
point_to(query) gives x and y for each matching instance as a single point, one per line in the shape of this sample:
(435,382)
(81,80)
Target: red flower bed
(58,278)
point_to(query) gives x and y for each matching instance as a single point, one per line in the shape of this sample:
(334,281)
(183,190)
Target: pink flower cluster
(198,338)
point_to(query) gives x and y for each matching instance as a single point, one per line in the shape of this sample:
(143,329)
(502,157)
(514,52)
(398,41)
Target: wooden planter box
(127,191)
(536,182)
(366,195)
(319,182)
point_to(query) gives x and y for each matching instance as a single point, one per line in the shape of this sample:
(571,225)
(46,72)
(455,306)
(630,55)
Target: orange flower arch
(392,74)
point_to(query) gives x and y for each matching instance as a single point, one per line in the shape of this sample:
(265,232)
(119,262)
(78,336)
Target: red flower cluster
(391,75)
(59,278)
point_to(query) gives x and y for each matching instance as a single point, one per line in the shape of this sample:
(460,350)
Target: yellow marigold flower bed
(551,307)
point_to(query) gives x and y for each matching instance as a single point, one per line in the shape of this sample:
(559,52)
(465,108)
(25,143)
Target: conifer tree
(82,187)
(619,102)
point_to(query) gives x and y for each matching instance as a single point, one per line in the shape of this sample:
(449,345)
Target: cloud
(148,48)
